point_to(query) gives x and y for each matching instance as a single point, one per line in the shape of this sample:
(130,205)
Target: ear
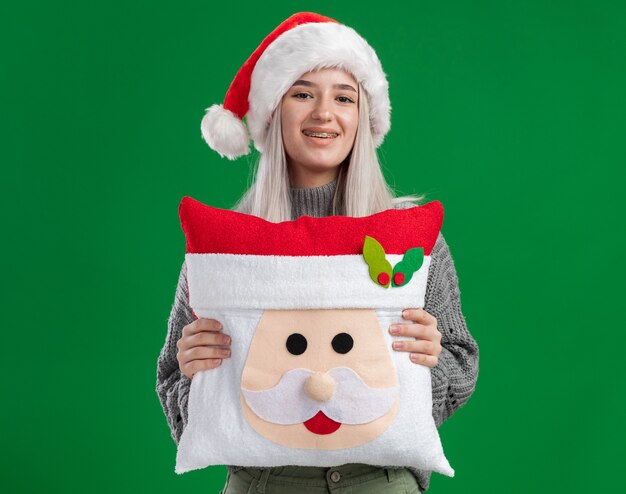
(374,255)
(410,263)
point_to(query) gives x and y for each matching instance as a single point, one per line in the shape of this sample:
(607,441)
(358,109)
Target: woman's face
(320,116)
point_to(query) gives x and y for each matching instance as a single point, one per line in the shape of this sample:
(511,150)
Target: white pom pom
(224,132)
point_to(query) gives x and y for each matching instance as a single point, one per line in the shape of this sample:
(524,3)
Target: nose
(322,111)
(320,386)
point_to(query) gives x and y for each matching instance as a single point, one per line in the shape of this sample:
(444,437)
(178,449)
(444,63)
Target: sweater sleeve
(172,386)
(454,377)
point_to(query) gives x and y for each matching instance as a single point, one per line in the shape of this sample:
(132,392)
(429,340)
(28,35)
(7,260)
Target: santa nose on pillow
(319,378)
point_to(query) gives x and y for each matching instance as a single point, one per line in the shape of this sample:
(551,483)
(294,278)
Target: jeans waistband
(350,474)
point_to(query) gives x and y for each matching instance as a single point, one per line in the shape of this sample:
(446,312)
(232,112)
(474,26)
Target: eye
(342,343)
(301,95)
(345,99)
(296,344)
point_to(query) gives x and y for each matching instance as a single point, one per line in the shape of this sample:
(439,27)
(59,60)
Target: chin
(322,167)
(322,164)
(315,164)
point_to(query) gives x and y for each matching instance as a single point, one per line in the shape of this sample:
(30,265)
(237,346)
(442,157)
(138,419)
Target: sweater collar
(314,201)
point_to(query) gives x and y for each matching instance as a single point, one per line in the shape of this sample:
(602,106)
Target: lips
(322,425)
(320,133)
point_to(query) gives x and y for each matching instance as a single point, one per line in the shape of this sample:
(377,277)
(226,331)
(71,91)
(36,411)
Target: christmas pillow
(312,379)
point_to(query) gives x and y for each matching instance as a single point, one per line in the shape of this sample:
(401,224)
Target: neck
(304,179)
(313,201)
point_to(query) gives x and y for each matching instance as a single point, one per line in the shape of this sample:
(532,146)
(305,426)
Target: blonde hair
(361,186)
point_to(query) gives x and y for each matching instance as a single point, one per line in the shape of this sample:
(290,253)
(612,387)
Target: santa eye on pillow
(312,379)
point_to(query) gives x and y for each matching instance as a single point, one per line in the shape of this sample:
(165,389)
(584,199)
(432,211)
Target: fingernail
(394,329)
(226,353)
(226,340)
(397,345)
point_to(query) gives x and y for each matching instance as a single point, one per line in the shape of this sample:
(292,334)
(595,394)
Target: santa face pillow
(312,379)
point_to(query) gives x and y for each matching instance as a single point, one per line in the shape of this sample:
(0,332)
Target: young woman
(317,107)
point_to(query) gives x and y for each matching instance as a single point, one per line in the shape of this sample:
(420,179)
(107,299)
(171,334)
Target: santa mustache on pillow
(312,379)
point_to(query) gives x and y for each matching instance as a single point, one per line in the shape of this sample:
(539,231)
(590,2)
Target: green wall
(510,113)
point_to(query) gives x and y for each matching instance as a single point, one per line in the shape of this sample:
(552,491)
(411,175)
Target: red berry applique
(398,278)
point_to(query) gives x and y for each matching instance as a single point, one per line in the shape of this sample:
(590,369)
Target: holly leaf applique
(379,267)
(410,263)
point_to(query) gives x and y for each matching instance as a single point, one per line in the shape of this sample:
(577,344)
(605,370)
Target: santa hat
(239,261)
(304,42)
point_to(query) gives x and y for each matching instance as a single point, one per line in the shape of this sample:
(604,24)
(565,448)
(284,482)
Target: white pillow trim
(238,281)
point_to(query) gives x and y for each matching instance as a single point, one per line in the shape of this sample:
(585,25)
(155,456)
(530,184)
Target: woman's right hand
(202,346)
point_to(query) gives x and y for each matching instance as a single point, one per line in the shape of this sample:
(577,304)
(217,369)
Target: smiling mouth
(322,135)
(320,424)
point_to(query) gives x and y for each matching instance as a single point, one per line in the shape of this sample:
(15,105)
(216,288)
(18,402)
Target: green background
(510,113)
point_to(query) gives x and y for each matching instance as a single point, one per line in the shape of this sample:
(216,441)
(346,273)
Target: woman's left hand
(426,348)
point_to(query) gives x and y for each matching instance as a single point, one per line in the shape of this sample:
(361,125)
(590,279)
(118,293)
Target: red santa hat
(238,261)
(304,42)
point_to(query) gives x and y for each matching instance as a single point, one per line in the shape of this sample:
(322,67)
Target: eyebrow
(302,82)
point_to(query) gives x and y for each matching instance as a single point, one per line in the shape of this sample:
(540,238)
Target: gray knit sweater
(453,379)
